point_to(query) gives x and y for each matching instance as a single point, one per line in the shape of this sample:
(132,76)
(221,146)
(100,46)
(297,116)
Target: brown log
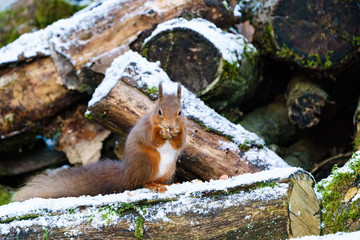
(321,34)
(208,153)
(268,205)
(30,95)
(305,99)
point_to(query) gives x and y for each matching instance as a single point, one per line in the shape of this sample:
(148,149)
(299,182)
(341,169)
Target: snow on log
(340,196)
(305,99)
(275,204)
(215,146)
(220,67)
(321,34)
(38,70)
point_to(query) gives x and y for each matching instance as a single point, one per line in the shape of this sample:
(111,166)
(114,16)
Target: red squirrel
(151,150)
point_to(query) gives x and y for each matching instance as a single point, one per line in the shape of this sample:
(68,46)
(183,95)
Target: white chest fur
(167,157)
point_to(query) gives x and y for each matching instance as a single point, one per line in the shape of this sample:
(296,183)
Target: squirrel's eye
(160,112)
(179,114)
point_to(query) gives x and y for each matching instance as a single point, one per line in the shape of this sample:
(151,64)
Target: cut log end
(304,207)
(196,55)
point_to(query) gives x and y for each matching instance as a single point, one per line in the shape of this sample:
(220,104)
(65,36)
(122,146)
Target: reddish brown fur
(140,164)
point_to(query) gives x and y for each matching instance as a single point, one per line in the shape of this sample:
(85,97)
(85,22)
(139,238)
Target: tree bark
(220,75)
(305,99)
(321,34)
(280,206)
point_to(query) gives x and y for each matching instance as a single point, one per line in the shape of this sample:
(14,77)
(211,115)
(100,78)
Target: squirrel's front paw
(156,187)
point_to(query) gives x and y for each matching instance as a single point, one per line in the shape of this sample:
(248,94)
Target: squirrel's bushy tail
(103,177)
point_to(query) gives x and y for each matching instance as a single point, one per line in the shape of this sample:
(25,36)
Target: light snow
(184,194)
(336,236)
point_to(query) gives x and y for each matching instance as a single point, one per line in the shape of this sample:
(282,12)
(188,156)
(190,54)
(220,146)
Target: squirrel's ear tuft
(160,93)
(179,91)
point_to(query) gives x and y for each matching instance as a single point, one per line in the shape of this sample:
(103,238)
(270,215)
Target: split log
(305,99)
(43,84)
(120,101)
(219,67)
(321,34)
(271,123)
(275,204)
(80,139)
(340,195)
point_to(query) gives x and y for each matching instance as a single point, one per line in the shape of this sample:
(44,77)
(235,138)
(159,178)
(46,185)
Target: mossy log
(38,71)
(276,204)
(305,99)
(219,67)
(270,122)
(125,95)
(340,195)
(322,34)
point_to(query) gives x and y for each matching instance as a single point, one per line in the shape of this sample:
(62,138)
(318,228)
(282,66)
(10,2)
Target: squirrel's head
(168,114)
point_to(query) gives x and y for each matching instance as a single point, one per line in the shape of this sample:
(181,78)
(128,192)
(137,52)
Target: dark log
(305,99)
(271,123)
(209,152)
(219,67)
(268,205)
(321,34)
(16,164)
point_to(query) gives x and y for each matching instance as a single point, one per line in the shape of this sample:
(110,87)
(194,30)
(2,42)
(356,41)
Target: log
(340,197)
(305,99)
(220,67)
(47,64)
(16,164)
(275,204)
(321,34)
(80,139)
(271,123)
(30,95)
(214,145)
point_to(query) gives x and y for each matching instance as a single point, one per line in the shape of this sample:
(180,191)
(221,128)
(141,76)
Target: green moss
(356,41)
(5,196)
(40,14)
(118,209)
(310,61)
(336,214)
(89,115)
